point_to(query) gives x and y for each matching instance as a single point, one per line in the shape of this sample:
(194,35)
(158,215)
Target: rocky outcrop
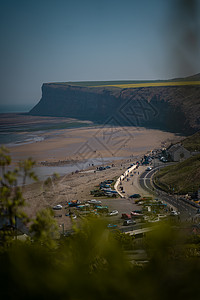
(175,108)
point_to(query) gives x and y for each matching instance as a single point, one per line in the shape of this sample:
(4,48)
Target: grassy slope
(192,142)
(184,177)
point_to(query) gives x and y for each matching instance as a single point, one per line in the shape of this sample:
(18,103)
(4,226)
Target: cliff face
(175,109)
(75,102)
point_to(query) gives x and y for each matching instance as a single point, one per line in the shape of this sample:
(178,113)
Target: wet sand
(78,144)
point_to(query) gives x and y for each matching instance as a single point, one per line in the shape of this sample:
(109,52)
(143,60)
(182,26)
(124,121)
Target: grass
(192,143)
(183,177)
(125,84)
(151,84)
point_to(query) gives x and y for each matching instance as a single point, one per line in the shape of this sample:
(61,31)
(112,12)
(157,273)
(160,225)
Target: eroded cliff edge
(173,108)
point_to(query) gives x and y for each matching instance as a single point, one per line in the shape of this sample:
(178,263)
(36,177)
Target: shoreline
(84,148)
(75,145)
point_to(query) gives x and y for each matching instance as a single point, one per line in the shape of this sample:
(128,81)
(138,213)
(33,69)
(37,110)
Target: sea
(15,108)
(12,133)
(15,132)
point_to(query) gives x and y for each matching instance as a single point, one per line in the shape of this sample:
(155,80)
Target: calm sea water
(13,139)
(8,132)
(19,108)
(24,133)
(44,172)
(17,127)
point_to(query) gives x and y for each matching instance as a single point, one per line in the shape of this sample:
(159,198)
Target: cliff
(173,108)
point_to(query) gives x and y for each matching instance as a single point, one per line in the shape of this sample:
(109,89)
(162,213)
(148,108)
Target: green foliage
(90,264)
(126,241)
(55,176)
(26,167)
(11,198)
(48,181)
(192,143)
(194,239)
(5,159)
(44,228)
(179,176)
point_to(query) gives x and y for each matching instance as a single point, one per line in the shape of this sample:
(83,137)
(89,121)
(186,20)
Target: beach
(84,149)
(74,151)
(79,144)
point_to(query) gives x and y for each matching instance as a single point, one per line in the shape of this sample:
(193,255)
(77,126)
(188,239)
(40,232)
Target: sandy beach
(94,142)
(74,153)
(123,145)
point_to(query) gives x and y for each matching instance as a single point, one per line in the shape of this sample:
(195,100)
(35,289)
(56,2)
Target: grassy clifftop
(122,84)
(172,105)
(184,177)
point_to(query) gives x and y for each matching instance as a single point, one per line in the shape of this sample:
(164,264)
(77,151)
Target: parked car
(135,196)
(57,207)
(174,213)
(108,181)
(97,193)
(129,222)
(102,209)
(109,194)
(74,203)
(154,220)
(113,213)
(149,169)
(101,168)
(163,159)
(94,201)
(126,216)
(112,226)
(136,214)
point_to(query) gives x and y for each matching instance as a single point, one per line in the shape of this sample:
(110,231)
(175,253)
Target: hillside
(172,105)
(192,143)
(184,177)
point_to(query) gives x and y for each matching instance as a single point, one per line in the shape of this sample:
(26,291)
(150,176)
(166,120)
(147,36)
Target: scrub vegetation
(92,262)
(192,143)
(180,178)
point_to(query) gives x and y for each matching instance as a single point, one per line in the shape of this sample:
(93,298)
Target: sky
(79,40)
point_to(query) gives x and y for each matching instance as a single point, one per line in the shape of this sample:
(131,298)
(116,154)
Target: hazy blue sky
(78,40)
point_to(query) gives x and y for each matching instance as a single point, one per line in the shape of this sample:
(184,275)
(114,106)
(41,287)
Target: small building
(178,152)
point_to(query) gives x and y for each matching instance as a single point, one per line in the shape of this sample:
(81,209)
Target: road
(187,211)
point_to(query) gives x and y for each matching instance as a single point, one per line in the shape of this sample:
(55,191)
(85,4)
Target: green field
(127,84)
(152,84)
(108,83)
